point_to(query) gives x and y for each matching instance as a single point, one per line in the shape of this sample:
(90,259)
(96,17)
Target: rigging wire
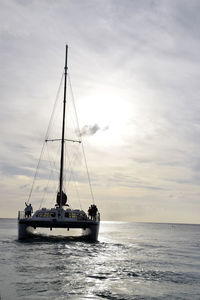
(45,192)
(85,160)
(54,107)
(46,137)
(52,172)
(72,175)
(36,172)
(55,173)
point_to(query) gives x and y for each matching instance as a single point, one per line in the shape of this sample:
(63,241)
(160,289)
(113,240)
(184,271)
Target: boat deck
(58,224)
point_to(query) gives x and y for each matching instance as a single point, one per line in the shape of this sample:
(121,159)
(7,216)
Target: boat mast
(63,131)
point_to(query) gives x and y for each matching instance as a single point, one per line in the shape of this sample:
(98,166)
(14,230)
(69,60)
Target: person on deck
(28,210)
(92,212)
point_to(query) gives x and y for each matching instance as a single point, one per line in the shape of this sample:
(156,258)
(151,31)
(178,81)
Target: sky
(135,71)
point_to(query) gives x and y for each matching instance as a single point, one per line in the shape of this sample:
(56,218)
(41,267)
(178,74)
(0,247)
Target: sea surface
(130,261)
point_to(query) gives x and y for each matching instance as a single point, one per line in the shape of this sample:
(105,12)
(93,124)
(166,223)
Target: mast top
(66,54)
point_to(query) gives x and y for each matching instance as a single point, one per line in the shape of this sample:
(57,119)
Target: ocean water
(130,261)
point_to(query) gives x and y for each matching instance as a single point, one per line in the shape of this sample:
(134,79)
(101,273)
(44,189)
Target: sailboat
(61,215)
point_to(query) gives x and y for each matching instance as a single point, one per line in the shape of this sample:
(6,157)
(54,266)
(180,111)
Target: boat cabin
(59,214)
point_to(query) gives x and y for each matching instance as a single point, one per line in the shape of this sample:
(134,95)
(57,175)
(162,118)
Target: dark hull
(90,227)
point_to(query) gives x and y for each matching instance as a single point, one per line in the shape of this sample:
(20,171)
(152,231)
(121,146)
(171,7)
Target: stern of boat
(24,230)
(92,231)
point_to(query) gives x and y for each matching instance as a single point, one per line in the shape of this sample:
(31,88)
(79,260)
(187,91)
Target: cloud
(88,130)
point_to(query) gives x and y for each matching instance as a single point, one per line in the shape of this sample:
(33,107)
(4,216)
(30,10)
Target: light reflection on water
(130,261)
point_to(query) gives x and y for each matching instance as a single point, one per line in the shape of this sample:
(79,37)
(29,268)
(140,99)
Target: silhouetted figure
(28,210)
(92,212)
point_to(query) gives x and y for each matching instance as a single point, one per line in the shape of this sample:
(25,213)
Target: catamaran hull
(24,231)
(93,232)
(26,227)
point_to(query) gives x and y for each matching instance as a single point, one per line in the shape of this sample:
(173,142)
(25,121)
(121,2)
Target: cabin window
(70,215)
(47,214)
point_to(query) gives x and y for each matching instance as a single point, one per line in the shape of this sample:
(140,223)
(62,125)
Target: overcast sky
(135,71)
